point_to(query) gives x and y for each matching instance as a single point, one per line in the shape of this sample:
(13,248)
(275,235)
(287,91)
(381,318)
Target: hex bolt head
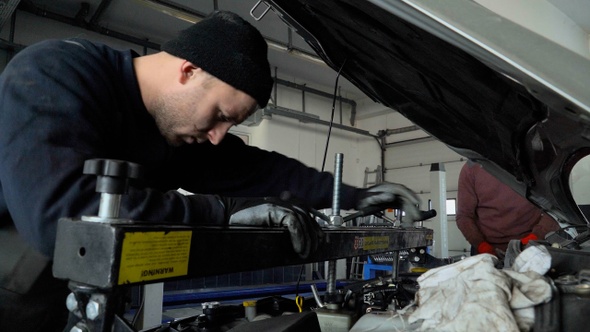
(92,309)
(71,302)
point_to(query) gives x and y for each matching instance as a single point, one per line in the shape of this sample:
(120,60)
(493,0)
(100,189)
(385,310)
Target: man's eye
(225,118)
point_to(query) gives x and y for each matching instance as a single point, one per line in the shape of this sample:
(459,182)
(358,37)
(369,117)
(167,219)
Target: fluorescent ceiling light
(174,10)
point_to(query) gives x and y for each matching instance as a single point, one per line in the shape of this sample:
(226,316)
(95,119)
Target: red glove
(526,239)
(486,248)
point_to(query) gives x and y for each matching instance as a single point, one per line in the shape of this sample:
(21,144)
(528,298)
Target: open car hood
(491,90)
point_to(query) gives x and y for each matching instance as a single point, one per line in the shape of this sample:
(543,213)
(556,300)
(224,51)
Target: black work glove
(391,195)
(273,212)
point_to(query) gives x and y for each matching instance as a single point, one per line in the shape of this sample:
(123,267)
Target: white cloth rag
(473,295)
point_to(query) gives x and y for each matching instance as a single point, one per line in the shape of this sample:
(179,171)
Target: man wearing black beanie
(229,48)
(67,101)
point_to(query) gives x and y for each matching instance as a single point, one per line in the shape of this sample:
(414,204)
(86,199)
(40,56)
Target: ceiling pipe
(411,141)
(305,88)
(29,7)
(400,130)
(310,118)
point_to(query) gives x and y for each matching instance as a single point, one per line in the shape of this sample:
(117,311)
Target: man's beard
(166,120)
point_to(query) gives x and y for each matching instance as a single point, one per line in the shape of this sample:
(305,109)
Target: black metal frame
(90,252)
(90,255)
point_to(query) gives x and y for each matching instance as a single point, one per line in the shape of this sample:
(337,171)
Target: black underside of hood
(451,93)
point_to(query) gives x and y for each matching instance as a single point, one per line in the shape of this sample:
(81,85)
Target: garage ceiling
(146,20)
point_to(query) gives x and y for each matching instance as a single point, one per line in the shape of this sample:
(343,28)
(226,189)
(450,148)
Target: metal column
(438,191)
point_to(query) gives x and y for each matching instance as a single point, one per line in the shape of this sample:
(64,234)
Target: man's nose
(217,133)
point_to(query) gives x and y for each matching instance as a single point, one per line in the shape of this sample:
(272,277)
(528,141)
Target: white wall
(307,141)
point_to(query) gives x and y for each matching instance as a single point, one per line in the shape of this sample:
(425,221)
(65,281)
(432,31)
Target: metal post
(110,205)
(439,203)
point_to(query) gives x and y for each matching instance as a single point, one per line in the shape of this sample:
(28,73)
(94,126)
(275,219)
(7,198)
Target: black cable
(332,117)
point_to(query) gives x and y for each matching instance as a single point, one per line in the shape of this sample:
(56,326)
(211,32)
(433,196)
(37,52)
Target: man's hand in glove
(486,248)
(391,195)
(273,212)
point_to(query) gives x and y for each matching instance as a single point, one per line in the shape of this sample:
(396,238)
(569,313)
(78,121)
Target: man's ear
(187,70)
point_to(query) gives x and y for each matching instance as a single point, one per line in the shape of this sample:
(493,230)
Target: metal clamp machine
(103,255)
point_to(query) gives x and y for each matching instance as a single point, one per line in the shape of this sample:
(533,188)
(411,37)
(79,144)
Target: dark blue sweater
(64,102)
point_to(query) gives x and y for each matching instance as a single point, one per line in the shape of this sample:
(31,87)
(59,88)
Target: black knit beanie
(229,48)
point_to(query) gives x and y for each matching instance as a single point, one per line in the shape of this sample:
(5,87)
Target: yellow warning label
(154,255)
(375,242)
